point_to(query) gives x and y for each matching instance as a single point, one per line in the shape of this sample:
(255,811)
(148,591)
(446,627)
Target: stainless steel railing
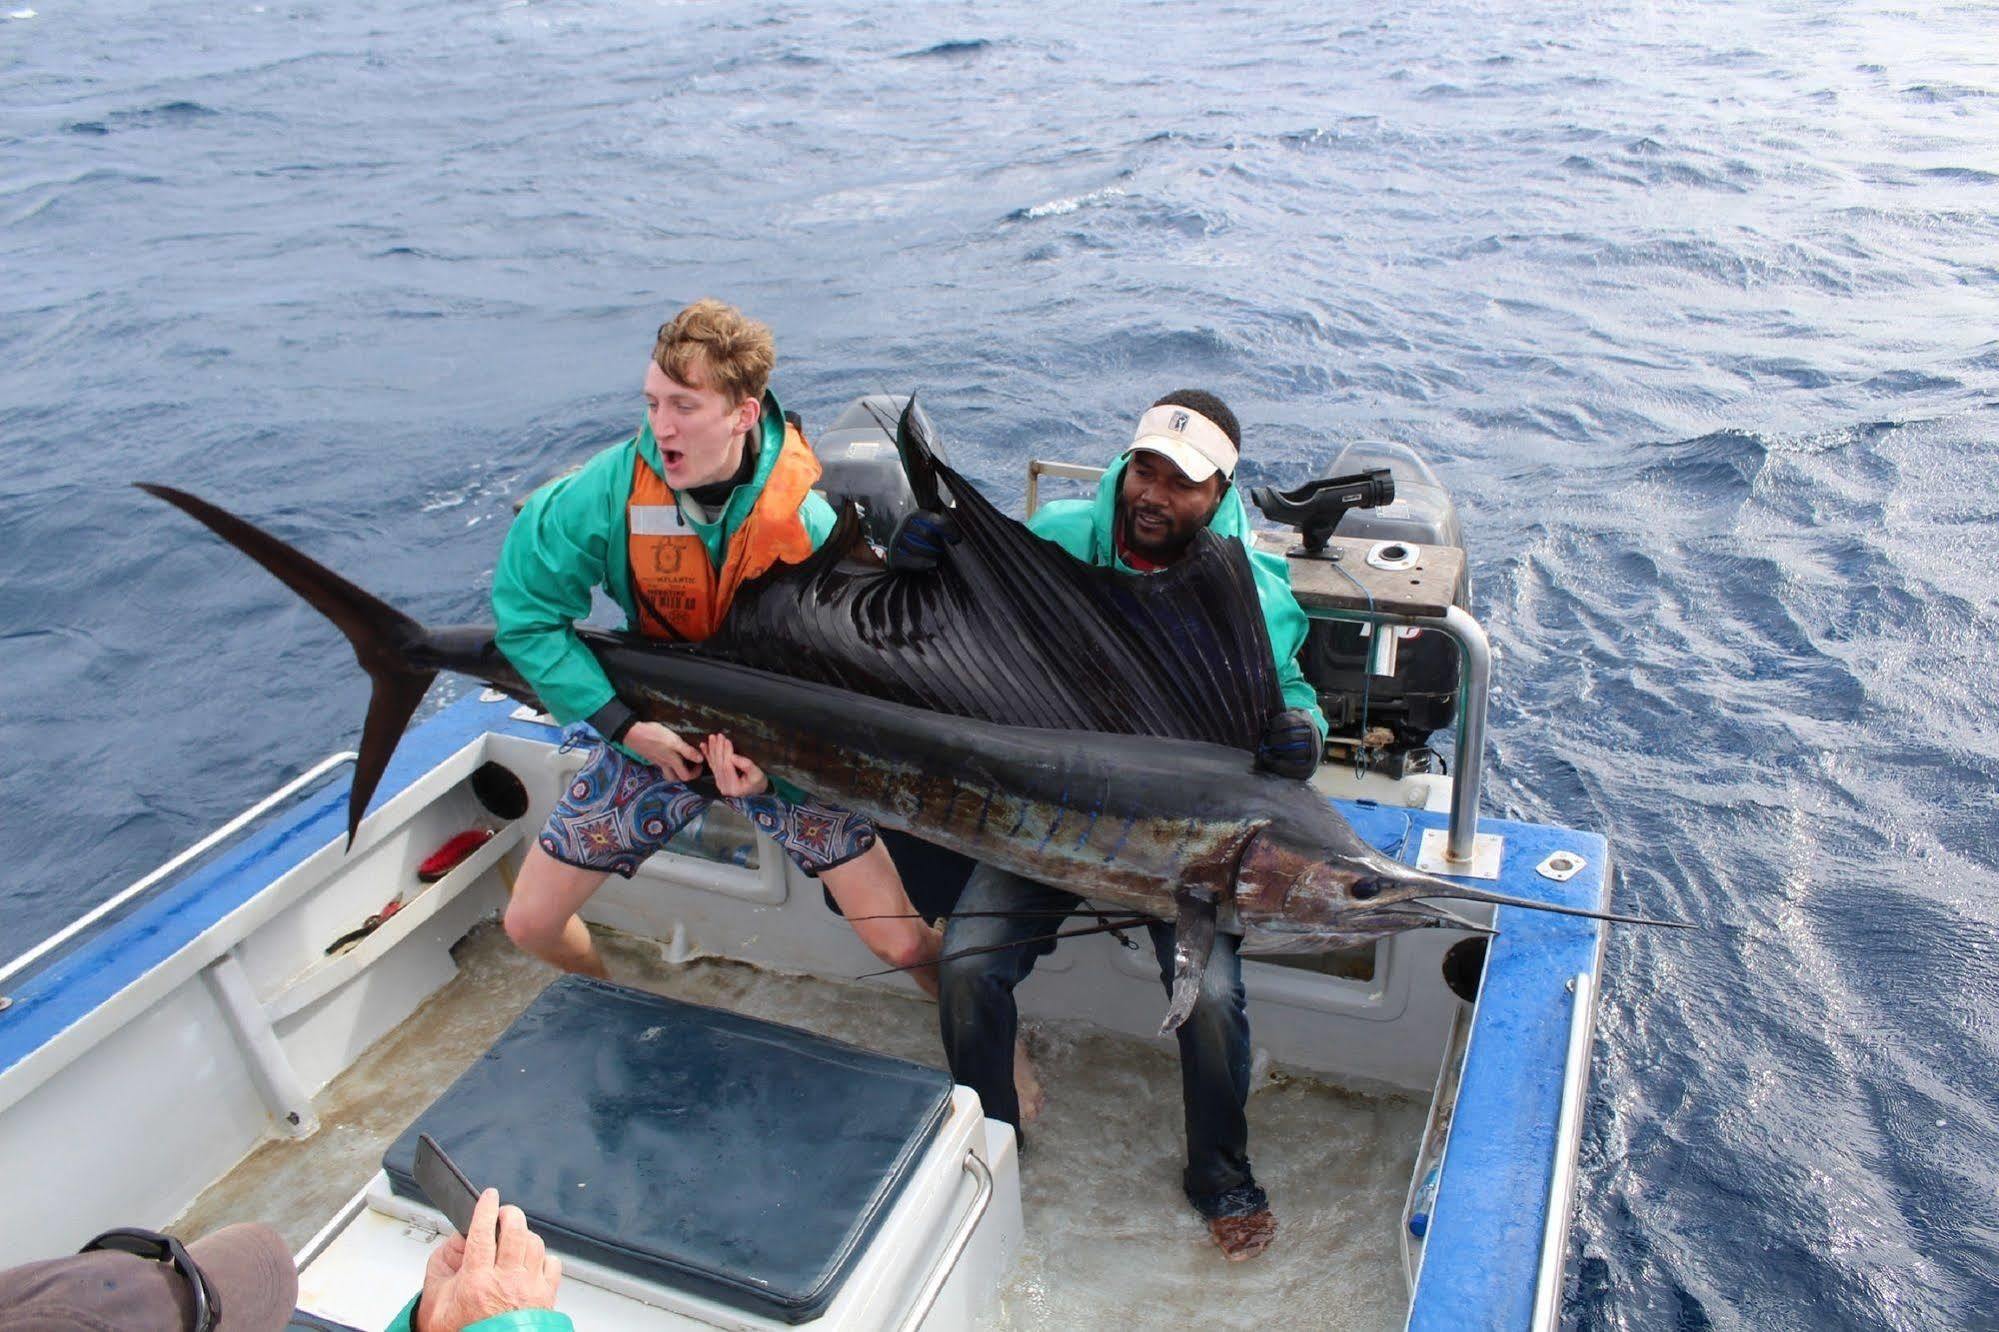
(1474,688)
(1568,1139)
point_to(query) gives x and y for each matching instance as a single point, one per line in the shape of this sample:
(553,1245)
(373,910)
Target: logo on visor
(1178,422)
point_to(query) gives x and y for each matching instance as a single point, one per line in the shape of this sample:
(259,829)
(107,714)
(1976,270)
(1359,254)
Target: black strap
(156,1247)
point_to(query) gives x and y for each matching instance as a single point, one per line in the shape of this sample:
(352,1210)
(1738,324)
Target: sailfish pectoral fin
(1193,942)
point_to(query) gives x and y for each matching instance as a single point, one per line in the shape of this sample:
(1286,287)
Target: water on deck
(1110,1240)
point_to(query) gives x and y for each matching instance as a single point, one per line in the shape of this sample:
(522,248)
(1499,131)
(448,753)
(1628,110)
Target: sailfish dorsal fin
(1011,628)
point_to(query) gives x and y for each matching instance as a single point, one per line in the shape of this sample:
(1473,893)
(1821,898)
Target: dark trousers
(980,1022)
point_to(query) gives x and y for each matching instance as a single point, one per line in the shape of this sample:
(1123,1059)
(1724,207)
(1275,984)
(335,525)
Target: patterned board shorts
(618,810)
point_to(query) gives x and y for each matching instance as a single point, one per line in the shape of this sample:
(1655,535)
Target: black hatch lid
(707,1151)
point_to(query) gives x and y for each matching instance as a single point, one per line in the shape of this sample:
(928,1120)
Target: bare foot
(1026,1083)
(1243,1237)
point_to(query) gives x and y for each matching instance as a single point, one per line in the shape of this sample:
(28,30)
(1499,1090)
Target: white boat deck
(1109,1238)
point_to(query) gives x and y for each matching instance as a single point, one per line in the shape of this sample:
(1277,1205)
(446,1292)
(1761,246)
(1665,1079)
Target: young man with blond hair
(713,490)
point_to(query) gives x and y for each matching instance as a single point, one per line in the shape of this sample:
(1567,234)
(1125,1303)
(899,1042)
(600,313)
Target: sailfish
(1073,724)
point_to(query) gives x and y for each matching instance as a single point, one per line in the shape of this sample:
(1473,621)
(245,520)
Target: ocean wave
(1968,175)
(1947,92)
(144,117)
(1069,204)
(949,50)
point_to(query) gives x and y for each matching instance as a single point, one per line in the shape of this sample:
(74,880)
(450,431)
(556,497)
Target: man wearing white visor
(1175,479)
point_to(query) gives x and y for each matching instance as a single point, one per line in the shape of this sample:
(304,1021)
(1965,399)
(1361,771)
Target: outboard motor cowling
(861,462)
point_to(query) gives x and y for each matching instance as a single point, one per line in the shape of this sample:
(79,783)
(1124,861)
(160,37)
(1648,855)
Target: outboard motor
(862,464)
(1421,696)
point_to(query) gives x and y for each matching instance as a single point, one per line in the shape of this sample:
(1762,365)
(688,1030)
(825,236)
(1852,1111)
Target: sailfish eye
(1366,889)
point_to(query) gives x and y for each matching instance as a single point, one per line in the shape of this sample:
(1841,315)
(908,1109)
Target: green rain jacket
(570,537)
(1084,529)
(520,1320)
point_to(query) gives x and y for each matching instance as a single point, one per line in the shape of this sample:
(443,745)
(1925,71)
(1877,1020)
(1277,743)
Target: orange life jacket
(674,585)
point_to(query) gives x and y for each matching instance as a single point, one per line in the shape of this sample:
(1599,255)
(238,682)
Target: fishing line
(1116,932)
(888,426)
(1115,929)
(1402,842)
(1014,943)
(1023,914)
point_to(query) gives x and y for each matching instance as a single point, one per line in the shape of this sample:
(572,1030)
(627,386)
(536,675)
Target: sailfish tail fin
(382,636)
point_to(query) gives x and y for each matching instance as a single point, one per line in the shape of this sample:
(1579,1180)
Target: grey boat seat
(699,1149)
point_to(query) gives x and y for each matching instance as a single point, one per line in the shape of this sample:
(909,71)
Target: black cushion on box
(710,1152)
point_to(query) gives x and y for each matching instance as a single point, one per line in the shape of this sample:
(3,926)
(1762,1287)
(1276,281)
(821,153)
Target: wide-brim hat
(1193,443)
(248,1267)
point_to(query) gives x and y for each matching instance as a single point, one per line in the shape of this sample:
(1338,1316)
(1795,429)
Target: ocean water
(1695,308)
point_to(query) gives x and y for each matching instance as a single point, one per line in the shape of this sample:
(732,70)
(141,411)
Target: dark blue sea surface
(1694,306)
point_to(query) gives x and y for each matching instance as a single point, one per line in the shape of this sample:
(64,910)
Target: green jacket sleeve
(520,1320)
(553,556)
(818,517)
(1287,623)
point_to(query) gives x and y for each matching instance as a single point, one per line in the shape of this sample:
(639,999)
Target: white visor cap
(1196,445)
